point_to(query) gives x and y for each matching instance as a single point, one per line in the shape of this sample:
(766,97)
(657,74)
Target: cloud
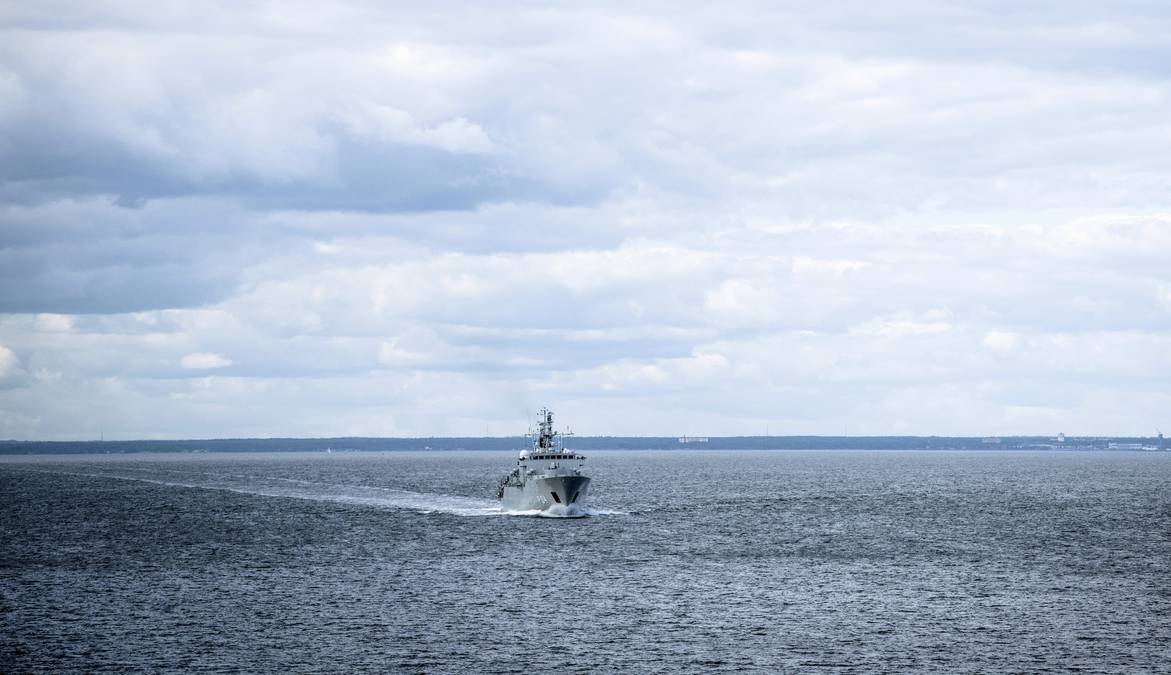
(361,218)
(8,362)
(902,327)
(54,323)
(1001,341)
(384,123)
(204,361)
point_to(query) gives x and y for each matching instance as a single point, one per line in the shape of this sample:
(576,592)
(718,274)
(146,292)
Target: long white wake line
(378,497)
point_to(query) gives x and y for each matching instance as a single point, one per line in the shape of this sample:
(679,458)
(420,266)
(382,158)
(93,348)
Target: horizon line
(1054,437)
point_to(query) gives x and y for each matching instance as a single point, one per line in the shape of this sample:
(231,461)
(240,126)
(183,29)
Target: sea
(690,561)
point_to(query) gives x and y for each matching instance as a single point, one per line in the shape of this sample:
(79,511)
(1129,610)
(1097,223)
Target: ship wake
(563,511)
(364,495)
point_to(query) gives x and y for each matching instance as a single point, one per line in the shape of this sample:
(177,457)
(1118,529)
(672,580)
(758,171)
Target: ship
(547,479)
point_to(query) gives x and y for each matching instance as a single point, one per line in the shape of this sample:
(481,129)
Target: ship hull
(548,495)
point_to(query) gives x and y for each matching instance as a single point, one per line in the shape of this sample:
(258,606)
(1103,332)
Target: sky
(411,219)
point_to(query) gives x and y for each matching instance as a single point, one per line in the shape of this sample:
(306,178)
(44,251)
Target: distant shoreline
(366,444)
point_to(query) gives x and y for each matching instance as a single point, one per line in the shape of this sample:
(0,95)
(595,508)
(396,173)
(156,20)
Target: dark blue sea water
(766,561)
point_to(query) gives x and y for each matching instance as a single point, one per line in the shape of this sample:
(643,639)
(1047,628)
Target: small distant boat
(548,478)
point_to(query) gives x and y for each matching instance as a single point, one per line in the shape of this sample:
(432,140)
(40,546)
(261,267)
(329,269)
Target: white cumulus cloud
(204,361)
(417,219)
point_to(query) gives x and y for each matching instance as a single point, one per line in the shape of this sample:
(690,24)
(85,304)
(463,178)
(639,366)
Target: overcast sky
(320,219)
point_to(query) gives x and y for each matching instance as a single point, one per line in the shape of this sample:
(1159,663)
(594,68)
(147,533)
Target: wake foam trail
(591,511)
(566,512)
(365,495)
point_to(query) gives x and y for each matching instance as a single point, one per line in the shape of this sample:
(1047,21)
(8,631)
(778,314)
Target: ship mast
(546,436)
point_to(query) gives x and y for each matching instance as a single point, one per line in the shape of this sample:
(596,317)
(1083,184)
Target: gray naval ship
(547,478)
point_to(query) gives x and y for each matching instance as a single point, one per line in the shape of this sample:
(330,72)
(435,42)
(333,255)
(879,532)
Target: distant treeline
(577,442)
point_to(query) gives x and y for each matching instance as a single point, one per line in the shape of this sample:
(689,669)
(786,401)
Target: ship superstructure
(547,479)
